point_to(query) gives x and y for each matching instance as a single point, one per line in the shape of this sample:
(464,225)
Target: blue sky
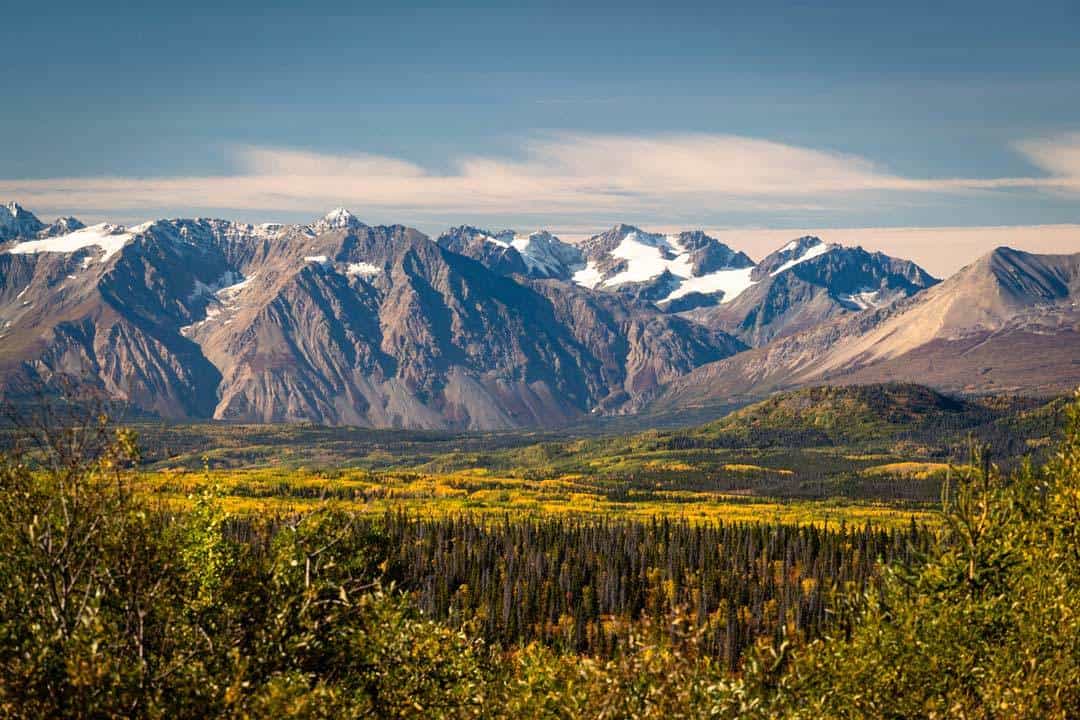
(569,115)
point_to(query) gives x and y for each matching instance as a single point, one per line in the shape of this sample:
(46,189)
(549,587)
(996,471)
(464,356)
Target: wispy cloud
(558,174)
(1059,156)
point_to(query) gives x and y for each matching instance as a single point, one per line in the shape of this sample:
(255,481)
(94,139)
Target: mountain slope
(1009,321)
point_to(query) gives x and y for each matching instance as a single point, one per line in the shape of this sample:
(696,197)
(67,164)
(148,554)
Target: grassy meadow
(480,492)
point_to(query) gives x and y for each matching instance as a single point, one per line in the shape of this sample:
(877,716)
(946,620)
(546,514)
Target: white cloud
(558,175)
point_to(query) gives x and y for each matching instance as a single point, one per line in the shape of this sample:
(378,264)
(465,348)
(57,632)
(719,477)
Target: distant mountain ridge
(339,322)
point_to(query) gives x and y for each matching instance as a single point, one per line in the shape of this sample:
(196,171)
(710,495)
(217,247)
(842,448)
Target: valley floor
(285,491)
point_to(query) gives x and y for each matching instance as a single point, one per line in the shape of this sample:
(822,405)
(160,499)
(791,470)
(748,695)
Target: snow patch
(732,283)
(644,254)
(496,241)
(589,276)
(321,259)
(675,244)
(223,300)
(362,268)
(864,299)
(229,291)
(110,238)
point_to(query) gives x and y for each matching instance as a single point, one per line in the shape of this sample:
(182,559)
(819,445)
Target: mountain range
(339,322)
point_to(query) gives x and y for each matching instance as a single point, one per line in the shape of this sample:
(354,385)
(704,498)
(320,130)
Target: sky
(931,130)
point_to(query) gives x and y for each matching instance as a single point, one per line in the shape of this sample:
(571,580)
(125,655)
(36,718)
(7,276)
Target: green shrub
(988,628)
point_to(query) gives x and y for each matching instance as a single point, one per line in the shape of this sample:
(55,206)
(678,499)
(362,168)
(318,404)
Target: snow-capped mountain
(679,270)
(802,283)
(17,222)
(539,254)
(807,282)
(544,254)
(336,219)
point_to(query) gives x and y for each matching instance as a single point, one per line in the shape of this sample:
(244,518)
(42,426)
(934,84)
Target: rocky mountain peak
(801,244)
(794,252)
(470,231)
(1022,278)
(341,322)
(597,246)
(373,326)
(337,219)
(62,226)
(18,222)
